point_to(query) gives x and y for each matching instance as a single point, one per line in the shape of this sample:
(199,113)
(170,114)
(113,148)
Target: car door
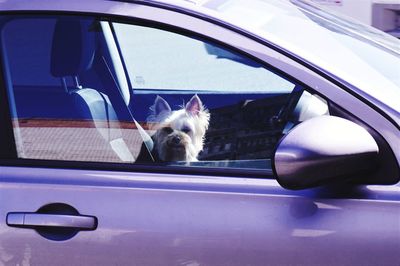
(71,192)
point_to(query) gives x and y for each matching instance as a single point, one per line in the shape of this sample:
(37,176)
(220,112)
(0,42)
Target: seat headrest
(73,47)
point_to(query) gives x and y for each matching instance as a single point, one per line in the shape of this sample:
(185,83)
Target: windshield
(358,54)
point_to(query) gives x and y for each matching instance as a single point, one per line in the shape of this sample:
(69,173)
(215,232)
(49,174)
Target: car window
(81,89)
(249,107)
(64,104)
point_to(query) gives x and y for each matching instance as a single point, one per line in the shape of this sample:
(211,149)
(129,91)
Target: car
(299,164)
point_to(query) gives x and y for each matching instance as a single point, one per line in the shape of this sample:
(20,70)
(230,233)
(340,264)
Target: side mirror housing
(321,150)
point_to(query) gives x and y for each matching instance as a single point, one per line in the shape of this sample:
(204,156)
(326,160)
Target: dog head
(179,134)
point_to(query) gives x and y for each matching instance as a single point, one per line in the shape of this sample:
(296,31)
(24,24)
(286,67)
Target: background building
(381,14)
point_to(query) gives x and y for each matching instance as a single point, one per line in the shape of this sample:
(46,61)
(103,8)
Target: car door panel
(158,219)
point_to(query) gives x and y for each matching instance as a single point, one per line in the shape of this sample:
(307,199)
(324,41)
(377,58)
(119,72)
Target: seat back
(73,53)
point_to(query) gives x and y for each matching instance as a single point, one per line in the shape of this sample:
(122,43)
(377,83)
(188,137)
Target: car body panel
(158,219)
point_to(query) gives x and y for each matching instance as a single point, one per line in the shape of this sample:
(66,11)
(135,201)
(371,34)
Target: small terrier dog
(179,135)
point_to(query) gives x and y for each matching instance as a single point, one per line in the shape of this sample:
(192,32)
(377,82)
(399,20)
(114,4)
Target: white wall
(382,14)
(358,9)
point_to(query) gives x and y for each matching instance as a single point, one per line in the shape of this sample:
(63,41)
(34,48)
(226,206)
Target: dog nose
(176,140)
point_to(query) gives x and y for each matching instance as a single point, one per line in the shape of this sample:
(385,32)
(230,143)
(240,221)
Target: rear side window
(59,89)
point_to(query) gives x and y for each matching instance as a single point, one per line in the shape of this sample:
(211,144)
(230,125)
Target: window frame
(314,79)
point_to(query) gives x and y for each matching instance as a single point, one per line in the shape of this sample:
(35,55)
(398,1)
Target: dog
(179,134)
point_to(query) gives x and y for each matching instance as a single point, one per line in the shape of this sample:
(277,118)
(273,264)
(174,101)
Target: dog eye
(185,130)
(168,130)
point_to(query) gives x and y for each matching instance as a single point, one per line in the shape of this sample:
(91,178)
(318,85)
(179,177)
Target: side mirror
(321,150)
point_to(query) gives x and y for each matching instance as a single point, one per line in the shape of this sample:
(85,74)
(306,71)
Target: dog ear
(160,106)
(194,106)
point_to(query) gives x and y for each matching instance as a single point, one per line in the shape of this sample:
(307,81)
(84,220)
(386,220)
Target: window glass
(188,102)
(249,106)
(158,59)
(63,102)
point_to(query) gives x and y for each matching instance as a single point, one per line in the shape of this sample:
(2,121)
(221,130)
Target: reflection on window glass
(62,97)
(158,59)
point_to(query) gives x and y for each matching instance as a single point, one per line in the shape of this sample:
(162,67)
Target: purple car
(198,132)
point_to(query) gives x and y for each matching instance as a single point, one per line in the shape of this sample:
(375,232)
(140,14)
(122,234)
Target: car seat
(73,52)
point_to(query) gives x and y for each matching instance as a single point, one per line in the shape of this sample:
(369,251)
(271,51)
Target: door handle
(32,220)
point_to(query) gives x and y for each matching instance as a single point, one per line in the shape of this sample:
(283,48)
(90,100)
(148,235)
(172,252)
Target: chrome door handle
(27,219)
